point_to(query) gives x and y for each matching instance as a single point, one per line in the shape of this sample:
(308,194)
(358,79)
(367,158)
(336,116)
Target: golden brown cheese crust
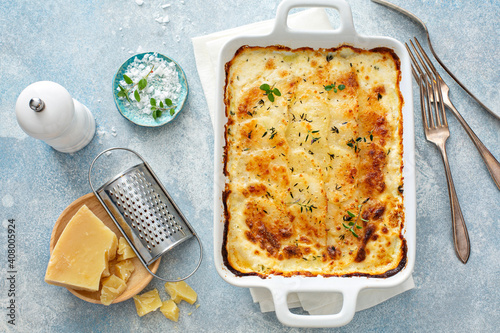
(314,178)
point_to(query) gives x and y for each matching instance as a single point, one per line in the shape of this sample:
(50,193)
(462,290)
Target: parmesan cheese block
(313,162)
(170,310)
(81,255)
(181,291)
(112,287)
(147,302)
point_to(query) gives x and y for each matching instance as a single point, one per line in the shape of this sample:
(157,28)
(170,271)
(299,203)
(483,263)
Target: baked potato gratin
(313,162)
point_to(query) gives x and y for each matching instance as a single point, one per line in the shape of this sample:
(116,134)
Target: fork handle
(491,162)
(460,234)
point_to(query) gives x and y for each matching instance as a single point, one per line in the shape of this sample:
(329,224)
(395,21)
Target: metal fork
(491,162)
(436,131)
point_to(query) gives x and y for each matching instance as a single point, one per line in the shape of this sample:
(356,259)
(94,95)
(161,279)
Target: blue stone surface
(81,44)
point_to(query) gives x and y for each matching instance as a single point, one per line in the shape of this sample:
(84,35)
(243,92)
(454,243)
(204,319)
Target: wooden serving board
(139,279)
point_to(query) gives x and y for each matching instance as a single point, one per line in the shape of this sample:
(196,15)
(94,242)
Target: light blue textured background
(80,44)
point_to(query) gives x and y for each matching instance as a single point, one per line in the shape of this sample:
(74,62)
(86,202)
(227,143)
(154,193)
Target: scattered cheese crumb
(181,291)
(139,2)
(147,302)
(170,310)
(150,301)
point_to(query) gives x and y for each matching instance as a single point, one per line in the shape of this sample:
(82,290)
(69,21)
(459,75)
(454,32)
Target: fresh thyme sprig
(352,225)
(158,108)
(141,84)
(270,91)
(334,87)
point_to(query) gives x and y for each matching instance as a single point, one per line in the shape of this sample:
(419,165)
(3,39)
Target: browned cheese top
(313,162)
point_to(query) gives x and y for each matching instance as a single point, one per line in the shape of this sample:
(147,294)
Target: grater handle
(187,276)
(92,166)
(102,153)
(123,231)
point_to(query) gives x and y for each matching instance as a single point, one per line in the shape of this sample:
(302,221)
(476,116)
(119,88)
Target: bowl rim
(182,78)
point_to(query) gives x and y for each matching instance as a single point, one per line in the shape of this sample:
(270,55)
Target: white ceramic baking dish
(349,287)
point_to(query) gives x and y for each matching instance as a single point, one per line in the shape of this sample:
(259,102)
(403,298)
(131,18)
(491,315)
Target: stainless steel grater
(144,212)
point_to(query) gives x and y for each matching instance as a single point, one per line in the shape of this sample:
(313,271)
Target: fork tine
(435,83)
(440,119)
(427,60)
(424,83)
(423,101)
(415,74)
(440,105)
(435,88)
(421,61)
(419,77)
(414,63)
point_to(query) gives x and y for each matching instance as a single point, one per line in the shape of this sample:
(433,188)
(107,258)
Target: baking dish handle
(342,318)
(346,22)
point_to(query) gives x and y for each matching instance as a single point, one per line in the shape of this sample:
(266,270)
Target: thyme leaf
(159,108)
(304,205)
(352,225)
(334,87)
(269,91)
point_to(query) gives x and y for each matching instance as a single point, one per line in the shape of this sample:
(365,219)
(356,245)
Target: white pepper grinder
(45,110)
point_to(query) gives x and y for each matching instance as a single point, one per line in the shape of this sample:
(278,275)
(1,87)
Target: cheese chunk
(179,291)
(82,253)
(123,269)
(124,250)
(170,310)
(112,287)
(147,302)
